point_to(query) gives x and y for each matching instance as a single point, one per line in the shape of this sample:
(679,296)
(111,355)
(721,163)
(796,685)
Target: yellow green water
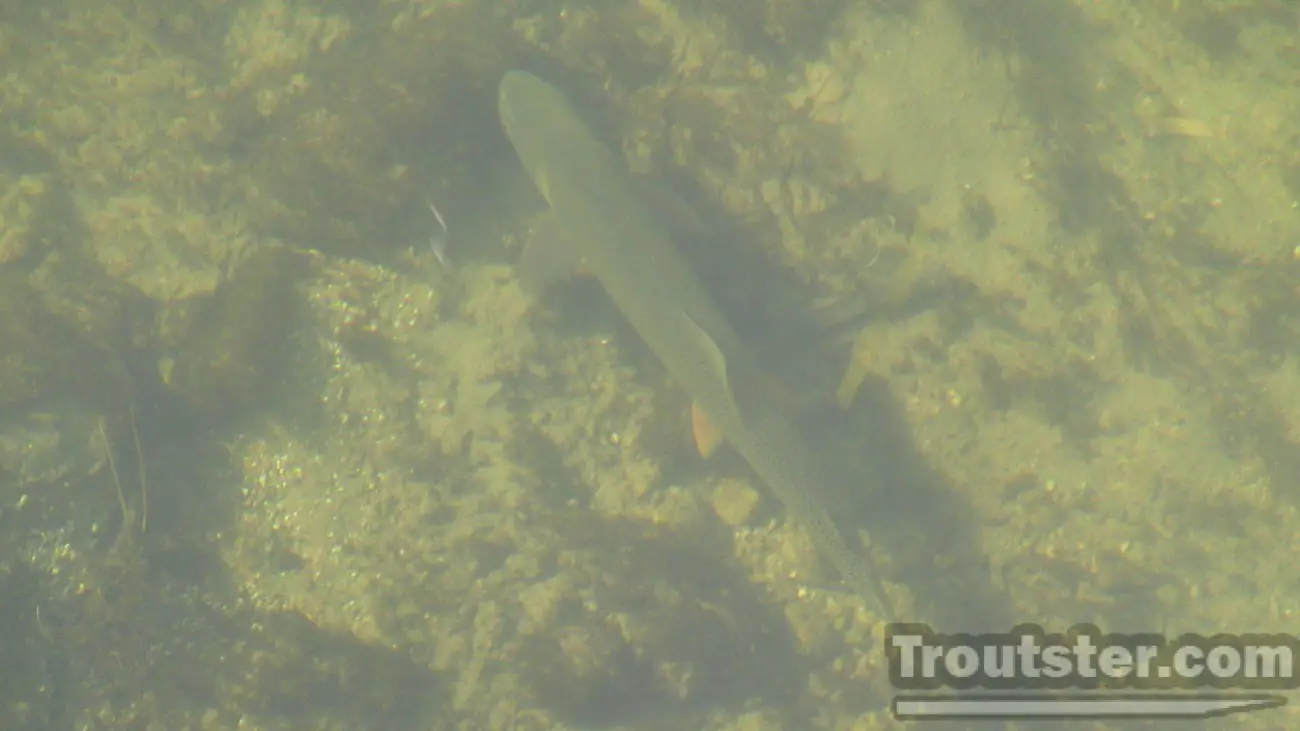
(383,493)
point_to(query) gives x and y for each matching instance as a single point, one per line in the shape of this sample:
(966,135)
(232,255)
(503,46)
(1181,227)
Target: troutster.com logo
(1029,673)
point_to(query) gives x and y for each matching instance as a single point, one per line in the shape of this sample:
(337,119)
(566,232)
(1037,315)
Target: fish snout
(503,111)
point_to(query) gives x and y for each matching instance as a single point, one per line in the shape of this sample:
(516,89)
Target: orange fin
(707,436)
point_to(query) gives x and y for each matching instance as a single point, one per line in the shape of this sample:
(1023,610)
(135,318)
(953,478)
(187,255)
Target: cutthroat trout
(622,243)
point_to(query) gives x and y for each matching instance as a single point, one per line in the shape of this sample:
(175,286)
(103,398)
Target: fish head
(525,99)
(507,91)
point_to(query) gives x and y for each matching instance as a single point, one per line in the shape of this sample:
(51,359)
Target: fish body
(621,242)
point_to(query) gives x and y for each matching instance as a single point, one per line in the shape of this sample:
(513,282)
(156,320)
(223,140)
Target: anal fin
(707,437)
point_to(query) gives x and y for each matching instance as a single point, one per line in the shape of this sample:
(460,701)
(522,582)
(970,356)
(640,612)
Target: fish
(621,241)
